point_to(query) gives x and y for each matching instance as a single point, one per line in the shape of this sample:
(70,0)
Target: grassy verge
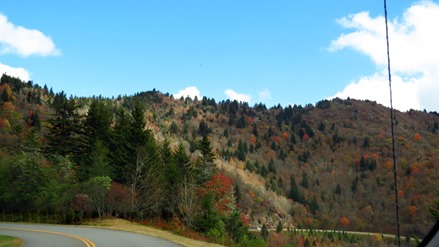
(7,241)
(123,225)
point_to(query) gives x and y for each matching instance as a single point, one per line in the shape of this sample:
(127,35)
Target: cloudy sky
(274,52)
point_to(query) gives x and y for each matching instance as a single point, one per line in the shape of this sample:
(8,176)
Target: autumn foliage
(344,221)
(221,188)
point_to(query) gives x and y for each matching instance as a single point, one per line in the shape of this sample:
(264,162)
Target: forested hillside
(218,168)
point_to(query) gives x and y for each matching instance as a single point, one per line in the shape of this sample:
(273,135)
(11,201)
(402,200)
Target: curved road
(72,236)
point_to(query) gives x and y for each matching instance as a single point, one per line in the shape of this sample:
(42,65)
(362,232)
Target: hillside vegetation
(216,168)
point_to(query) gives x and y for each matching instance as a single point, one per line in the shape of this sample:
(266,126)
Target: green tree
(100,164)
(209,219)
(64,129)
(97,188)
(314,206)
(279,227)
(205,168)
(294,192)
(235,227)
(264,232)
(97,124)
(271,167)
(305,183)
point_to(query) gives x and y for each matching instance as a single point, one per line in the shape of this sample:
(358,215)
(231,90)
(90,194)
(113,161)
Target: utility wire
(392,118)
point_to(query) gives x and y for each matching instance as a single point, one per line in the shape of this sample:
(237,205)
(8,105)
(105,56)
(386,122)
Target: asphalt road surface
(37,235)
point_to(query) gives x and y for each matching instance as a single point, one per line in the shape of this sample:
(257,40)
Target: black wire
(392,118)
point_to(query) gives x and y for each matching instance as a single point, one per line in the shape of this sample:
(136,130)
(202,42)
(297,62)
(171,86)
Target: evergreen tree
(242,123)
(264,232)
(99,162)
(305,183)
(255,130)
(235,227)
(294,192)
(121,148)
(338,189)
(279,227)
(271,167)
(207,165)
(314,206)
(64,130)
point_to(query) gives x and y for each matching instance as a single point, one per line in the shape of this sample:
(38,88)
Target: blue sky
(287,52)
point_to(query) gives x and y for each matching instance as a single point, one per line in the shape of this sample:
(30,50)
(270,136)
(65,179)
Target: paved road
(37,235)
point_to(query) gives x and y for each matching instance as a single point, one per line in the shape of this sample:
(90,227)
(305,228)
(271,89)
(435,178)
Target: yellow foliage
(8,106)
(387,164)
(378,238)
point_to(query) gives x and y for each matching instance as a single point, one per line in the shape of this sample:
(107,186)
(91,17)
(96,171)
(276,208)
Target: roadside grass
(124,225)
(8,241)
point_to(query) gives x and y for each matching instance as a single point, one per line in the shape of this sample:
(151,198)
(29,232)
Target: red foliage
(344,221)
(366,156)
(250,120)
(276,138)
(305,137)
(412,210)
(251,194)
(244,219)
(252,139)
(221,187)
(400,193)
(415,170)
(375,156)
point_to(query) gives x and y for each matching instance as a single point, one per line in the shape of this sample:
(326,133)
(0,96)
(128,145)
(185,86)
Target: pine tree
(264,232)
(305,183)
(206,167)
(279,227)
(64,130)
(271,167)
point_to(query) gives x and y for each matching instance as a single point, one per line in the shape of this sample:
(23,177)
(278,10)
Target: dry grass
(7,241)
(124,225)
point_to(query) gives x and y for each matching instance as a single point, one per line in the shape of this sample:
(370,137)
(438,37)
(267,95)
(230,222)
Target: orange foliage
(412,210)
(401,193)
(366,156)
(387,164)
(285,135)
(4,123)
(8,106)
(415,170)
(344,221)
(375,156)
(252,139)
(251,194)
(221,187)
(417,137)
(244,219)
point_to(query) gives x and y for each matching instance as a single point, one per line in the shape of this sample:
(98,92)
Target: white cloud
(264,95)
(15,72)
(414,56)
(191,92)
(237,96)
(24,42)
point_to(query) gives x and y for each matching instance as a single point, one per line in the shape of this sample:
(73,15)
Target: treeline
(102,161)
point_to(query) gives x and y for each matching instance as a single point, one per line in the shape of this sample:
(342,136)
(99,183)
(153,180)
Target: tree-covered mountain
(216,167)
